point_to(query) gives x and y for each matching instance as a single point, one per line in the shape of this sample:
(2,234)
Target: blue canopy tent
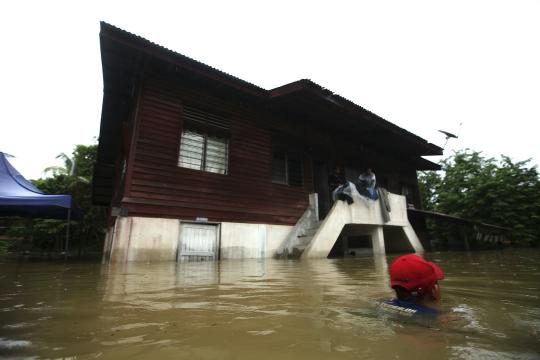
(19,197)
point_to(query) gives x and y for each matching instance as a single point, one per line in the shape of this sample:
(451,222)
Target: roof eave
(333,99)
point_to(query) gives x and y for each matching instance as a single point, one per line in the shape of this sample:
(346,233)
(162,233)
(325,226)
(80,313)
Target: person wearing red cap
(415,281)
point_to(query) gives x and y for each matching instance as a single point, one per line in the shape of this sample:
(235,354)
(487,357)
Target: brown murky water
(269,309)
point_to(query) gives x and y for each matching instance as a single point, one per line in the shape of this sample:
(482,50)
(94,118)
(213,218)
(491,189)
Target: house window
(287,169)
(202,151)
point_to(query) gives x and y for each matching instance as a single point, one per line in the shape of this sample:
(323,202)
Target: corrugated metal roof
(108,28)
(339,100)
(148,46)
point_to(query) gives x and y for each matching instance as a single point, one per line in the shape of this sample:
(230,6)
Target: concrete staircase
(304,239)
(311,238)
(302,233)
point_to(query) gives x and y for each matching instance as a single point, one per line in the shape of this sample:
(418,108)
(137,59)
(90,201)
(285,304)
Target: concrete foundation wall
(156,239)
(251,241)
(144,239)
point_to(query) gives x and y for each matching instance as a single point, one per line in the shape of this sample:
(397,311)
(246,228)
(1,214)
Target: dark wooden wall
(157,187)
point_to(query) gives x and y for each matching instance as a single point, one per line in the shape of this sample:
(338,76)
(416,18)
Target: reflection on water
(267,309)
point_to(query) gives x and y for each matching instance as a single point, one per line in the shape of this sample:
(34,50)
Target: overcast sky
(423,65)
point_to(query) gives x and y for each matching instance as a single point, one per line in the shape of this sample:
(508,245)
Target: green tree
(499,192)
(428,184)
(77,168)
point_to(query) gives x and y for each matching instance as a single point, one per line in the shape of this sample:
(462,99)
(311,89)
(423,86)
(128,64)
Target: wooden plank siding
(160,188)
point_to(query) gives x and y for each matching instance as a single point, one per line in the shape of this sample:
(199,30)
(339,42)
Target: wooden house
(196,163)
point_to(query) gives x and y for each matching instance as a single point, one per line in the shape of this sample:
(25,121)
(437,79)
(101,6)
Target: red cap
(414,274)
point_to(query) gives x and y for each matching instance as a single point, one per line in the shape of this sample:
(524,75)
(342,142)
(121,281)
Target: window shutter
(216,155)
(204,143)
(191,150)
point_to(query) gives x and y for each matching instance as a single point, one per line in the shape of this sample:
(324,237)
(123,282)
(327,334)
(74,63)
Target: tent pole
(66,249)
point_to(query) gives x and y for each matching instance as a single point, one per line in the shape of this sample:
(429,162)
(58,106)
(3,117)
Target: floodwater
(272,309)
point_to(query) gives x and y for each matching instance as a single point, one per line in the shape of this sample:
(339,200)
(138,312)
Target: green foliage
(502,193)
(7,245)
(428,184)
(73,178)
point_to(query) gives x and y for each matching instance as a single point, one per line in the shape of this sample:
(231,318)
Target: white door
(197,242)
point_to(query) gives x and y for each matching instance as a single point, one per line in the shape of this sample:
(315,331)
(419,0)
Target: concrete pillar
(314,203)
(377,240)
(381,267)
(413,239)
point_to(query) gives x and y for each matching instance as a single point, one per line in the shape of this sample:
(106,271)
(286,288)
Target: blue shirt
(408,308)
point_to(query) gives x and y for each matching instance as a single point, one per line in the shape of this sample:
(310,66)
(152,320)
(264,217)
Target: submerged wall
(251,241)
(157,239)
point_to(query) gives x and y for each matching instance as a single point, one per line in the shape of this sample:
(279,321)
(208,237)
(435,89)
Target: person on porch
(367,183)
(336,178)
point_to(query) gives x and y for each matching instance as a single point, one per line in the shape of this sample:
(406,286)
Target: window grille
(294,171)
(279,167)
(287,169)
(216,155)
(201,151)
